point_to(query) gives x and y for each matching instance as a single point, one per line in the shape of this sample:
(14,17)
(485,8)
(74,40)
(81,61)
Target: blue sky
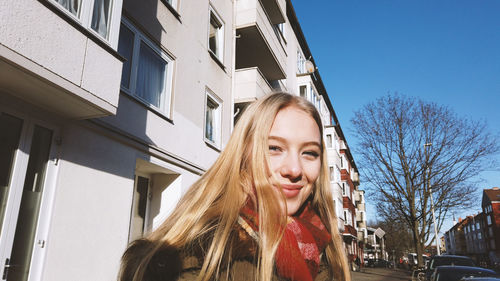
(446,52)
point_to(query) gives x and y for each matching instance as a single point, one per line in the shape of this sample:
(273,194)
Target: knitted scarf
(298,254)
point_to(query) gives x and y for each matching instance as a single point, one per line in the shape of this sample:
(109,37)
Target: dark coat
(171,264)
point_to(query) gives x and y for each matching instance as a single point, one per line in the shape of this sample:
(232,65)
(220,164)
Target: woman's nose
(291,167)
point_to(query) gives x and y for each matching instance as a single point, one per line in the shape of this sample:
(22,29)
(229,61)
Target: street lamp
(432,202)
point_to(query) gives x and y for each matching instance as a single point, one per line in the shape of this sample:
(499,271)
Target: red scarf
(304,239)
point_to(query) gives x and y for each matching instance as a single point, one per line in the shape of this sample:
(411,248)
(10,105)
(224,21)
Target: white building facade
(110,110)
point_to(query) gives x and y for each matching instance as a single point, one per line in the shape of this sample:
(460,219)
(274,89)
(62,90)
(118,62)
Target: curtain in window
(100,17)
(151,76)
(126,49)
(73,6)
(209,122)
(213,40)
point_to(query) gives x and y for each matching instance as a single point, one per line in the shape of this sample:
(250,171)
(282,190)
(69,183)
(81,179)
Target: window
(488,219)
(279,30)
(303,91)
(92,14)
(301,63)
(212,119)
(216,35)
(341,161)
(329,141)
(147,71)
(332,173)
(344,191)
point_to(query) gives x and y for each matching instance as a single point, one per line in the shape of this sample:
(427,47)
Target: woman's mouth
(291,190)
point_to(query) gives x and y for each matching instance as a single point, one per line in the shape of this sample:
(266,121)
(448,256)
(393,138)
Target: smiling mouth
(290,190)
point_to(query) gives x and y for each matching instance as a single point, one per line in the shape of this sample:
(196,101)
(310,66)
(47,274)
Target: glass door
(25,150)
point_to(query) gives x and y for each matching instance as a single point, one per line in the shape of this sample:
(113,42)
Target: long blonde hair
(213,203)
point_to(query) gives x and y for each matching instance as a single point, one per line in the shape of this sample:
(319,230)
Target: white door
(27,176)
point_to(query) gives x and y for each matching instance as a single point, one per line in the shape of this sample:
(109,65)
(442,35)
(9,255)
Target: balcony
(350,232)
(50,63)
(257,44)
(276,10)
(355,177)
(249,85)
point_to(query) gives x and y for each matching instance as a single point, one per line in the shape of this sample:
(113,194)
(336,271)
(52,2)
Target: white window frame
(281,29)
(301,62)
(329,141)
(85,19)
(332,173)
(219,54)
(212,98)
(139,37)
(337,174)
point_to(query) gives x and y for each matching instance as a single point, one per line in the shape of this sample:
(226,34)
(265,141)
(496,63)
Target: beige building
(110,110)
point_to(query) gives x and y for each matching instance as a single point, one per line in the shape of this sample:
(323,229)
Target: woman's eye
(274,148)
(311,153)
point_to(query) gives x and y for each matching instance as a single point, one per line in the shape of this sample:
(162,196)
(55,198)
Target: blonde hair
(213,203)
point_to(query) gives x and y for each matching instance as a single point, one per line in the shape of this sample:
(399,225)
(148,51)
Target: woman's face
(295,155)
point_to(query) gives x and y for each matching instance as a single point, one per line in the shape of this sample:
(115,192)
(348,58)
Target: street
(380,274)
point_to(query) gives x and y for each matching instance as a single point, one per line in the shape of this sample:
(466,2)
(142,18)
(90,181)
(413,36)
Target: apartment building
(491,222)
(112,109)
(349,184)
(455,238)
(474,238)
(332,140)
(361,227)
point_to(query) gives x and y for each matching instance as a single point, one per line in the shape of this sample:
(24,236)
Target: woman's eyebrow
(283,140)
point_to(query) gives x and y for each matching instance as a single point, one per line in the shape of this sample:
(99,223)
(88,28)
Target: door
(26,189)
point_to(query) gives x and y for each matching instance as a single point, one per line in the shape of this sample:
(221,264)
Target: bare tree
(392,132)
(398,235)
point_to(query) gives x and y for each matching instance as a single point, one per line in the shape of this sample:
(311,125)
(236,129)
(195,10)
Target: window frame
(301,62)
(212,98)
(84,18)
(165,109)
(219,53)
(329,141)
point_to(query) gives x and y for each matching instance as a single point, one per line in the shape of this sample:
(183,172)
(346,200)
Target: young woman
(263,211)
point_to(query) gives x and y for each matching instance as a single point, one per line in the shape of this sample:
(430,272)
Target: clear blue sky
(441,51)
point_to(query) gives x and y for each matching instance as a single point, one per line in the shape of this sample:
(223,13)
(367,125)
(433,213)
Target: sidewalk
(381,274)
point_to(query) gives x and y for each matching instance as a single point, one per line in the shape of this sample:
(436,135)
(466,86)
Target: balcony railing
(257,44)
(250,85)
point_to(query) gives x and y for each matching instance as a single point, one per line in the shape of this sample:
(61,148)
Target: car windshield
(450,261)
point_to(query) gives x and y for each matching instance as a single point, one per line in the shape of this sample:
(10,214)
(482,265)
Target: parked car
(456,273)
(446,260)
(384,263)
(413,261)
(379,263)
